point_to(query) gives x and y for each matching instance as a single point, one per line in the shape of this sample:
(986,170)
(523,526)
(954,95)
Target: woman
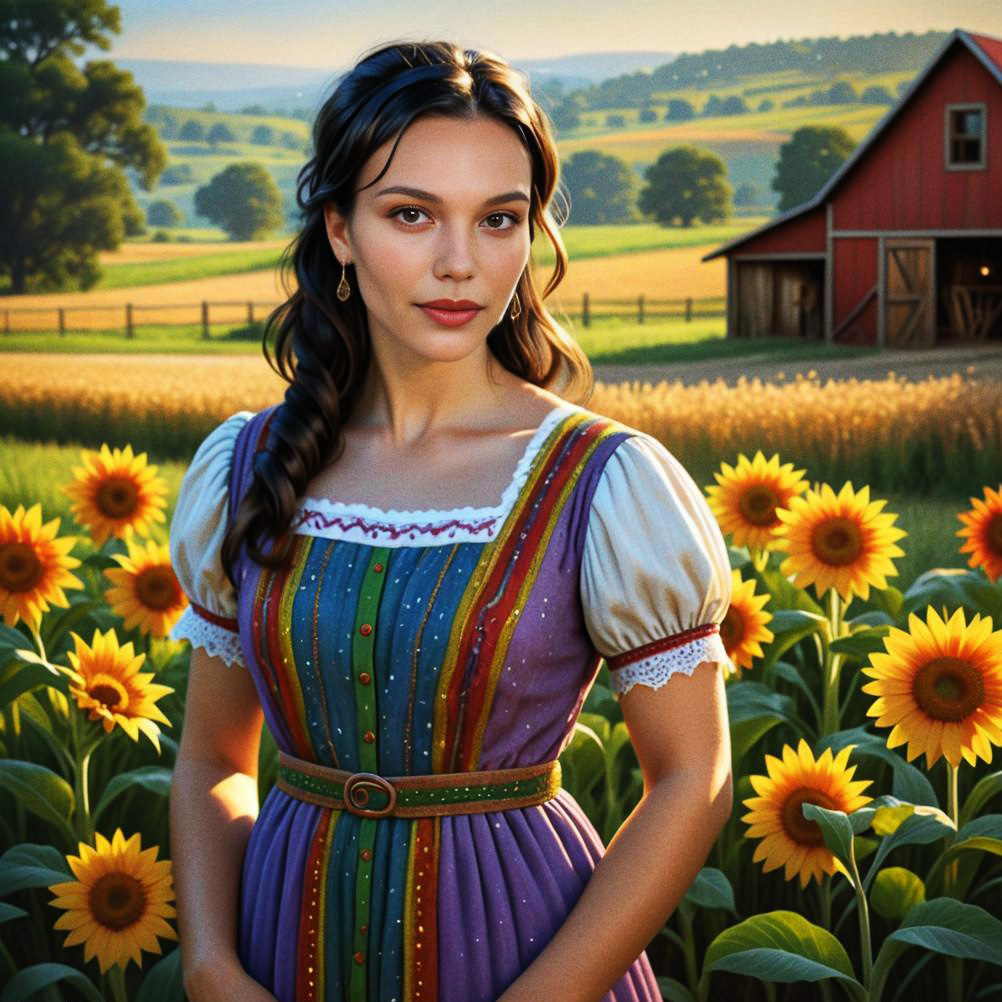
(411,569)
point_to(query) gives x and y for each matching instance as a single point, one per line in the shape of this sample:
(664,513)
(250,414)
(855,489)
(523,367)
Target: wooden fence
(128,318)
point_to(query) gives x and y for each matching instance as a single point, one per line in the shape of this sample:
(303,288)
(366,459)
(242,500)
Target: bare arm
(213,806)
(681,737)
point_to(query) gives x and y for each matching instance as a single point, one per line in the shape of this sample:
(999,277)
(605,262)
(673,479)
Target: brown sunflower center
(800,829)
(732,629)
(109,694)
(117,900)
(20,568)
(117,497)
(838,541)
(758,505)
(157,588)
(993,534)
(948,689)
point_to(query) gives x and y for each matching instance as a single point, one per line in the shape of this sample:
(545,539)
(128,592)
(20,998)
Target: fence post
(129,329)
(688,310)
(585,312)
(62,322)
(250,313)
(640,310)
(205,319)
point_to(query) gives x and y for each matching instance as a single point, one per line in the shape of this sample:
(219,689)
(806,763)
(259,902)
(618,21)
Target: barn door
(909,294)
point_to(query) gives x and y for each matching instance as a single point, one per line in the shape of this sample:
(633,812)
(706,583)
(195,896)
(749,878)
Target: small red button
(364,929)
(364,677)
(359,957)
(366,854)
(365,629)
(377,568)
(368,737)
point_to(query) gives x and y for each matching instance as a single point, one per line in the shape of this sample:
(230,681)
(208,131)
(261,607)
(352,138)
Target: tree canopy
(601,188)
(66,135)
(242,199)
(807,160)
(686,183)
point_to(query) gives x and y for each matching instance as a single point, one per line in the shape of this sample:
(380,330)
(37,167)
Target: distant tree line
(171,126)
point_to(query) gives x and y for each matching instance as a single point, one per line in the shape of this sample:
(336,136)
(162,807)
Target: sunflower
(940,686)
(788,838)
(119,903)
(841,542)
(746,498)
(146,592)
(743,630)
(116,493)
(983,531)
(34,565)
(112,688)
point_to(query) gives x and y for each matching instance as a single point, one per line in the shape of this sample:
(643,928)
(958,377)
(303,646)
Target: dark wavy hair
(322,347)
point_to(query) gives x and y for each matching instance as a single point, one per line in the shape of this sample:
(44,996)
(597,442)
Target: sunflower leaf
(41,791)
(32,865)
(836,830)
(674,991)
(951,927)
(23,679)
(781,946)
(154,778)
(910,785)
(952,587)
(711,889)
(163,982)
(24,984)
(8,912)
(861,644)
(895,891)
(924,825)
(987,787)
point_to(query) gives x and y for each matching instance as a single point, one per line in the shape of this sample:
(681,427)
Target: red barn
(903,245)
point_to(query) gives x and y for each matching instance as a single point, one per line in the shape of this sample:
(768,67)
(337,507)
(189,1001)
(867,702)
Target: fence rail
(127,318)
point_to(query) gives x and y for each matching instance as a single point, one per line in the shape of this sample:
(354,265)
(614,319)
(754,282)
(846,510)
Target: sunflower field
(863,857)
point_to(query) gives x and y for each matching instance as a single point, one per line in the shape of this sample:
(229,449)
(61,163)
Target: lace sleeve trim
(216,640)
(655,669)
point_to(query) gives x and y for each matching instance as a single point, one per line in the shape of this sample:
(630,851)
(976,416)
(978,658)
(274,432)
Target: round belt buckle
(356,797)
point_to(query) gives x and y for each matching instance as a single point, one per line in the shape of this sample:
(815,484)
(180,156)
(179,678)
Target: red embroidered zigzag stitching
(656,646)
(321,521)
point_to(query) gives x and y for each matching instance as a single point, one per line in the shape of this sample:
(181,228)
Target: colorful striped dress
(416,642)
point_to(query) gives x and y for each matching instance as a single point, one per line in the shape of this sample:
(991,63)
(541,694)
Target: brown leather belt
(372,796)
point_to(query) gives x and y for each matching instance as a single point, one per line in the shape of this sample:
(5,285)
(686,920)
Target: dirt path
(982,361)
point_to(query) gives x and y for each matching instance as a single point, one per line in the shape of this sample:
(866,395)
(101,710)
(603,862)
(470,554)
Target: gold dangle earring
(343,289)
(516,307)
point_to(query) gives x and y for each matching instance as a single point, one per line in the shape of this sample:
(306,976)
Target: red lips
(452,304)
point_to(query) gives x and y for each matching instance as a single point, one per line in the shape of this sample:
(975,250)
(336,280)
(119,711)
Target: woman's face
(459,232)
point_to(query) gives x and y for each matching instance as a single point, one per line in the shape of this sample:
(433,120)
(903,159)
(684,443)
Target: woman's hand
(227,982)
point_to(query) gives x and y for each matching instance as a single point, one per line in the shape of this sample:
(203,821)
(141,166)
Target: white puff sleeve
(655,573)
(196,537)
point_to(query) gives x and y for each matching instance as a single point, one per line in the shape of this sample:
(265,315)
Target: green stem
(865,946)
(116,981)
(954,965)
(830,714)
(691,974)
(81,787)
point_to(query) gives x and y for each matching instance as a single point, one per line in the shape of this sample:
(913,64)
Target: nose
(455,253)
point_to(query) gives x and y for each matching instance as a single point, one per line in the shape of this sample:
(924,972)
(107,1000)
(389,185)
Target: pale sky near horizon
(322,33)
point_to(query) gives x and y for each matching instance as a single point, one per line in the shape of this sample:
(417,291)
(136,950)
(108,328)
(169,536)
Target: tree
(842,92)
(615,121)
(877,94)
(192,130)
(164,213)
(679,110)
(810,157)
(178,174)
(686,183)
(648,115)
(220,133)
(243,199)
(263,135)
(601,188)
(67,133)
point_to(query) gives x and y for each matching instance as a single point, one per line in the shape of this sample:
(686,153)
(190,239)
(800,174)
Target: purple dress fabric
(478,659)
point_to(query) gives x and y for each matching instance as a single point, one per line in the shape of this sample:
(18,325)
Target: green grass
(32,473)
(185,269)
(182,339)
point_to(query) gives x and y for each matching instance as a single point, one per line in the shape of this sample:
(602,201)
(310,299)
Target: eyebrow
(400,189)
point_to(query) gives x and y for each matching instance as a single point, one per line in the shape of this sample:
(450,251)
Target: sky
(336,32)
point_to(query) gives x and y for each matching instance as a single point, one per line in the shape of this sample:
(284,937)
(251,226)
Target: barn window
(965,136)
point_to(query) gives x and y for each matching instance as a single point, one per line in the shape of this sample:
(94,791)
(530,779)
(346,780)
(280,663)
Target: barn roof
(986,49)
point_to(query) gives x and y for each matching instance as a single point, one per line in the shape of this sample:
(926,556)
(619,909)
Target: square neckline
(404,517)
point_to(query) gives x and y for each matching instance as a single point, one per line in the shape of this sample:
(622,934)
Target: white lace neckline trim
(359,522)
